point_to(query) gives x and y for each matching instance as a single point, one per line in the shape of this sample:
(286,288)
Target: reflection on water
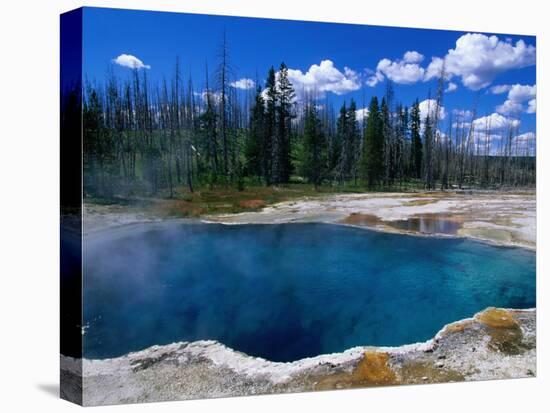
(432,224)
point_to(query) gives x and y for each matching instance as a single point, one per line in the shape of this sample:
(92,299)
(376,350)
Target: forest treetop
(399,120)
(496,73)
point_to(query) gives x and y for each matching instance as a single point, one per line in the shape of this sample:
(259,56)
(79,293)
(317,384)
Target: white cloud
(496,144)
(433,71)
(527,143)
(527,136)
(441,136)
(428,107)
(488,132)
(128,60)
(521,93)
(361,114)
(400,71)
(462,124)
(495,121)
(322,78)
(374,78)
(509,107)
(413,56)
(499,89)
(486,143)
(404,71)
(517,96)
(477,59)
(462,113)
(215,97)
(531,106)
(451,87)
(243,83)
(462,118)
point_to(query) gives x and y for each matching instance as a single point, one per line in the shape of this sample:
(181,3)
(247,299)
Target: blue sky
(339,61)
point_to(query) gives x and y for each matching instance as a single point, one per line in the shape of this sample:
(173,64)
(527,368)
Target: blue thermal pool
(288,291)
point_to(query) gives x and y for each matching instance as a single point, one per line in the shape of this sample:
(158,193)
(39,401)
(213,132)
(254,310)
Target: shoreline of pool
(492,344)
(124,228)
(501,345)
(500,219)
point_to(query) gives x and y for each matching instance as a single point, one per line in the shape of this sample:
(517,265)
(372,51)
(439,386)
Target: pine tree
(313,162)
(401,136)
(416,142)
(372,165)
(387,139)
(270,130)
(224,107)
(348,130)
(428,148)
(143,139)
(92,161)
(208,127)
(285,93)
(254,144)
(337,149)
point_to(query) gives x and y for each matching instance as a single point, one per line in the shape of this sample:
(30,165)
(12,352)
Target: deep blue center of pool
(284,292)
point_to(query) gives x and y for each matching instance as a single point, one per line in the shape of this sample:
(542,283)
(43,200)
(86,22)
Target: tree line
(149,140)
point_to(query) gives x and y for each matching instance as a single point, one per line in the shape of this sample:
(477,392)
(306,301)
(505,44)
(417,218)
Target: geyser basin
(288,291)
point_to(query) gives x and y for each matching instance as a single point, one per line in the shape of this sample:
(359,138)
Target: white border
(29,167)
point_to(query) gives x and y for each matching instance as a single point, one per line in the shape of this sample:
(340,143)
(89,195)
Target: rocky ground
(494,344)
(100,217)
(502,218)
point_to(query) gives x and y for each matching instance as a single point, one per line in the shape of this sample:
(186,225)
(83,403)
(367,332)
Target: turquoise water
(288,291)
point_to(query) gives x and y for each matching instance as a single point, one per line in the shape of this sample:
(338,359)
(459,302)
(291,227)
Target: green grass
(224,199)
(219,200)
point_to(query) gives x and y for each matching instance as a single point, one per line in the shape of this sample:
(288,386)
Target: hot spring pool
(288,291)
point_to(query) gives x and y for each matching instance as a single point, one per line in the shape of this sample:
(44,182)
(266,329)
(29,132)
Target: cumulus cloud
(462,124)
(462,113)
(521,98)
(521,93)
(462,118)
(526,143)
(509,107)
(531,106)
(527,136)
(400,71)
(361,114)
(497,144)
(244,84)
(404,71)
(495,121)
(451,87)
(434,69)
(215,97)
(373,78)
(322,78)
(130,61)
(428,107)
(499,89)
(486,143)
(413,56)
(477,59)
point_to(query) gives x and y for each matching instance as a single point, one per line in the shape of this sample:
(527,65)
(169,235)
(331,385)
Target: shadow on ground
(50,389)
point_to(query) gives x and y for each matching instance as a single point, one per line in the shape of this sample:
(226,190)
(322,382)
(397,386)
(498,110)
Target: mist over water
(288,291)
